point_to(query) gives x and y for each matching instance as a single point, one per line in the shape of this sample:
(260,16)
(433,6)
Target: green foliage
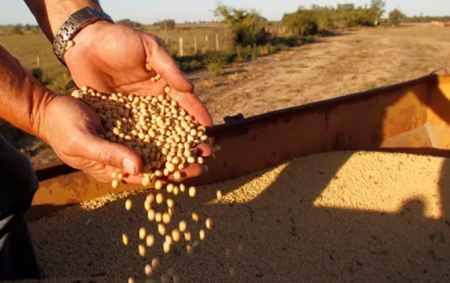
(323,16)
(215,61)
(395,17)
(189,66)
(130,23)
(246,25)
(316,19)
(302,22)
(38,74)
(377,9)
(291,41)
(215,68)
(167,24)
(426,19)
(61,84)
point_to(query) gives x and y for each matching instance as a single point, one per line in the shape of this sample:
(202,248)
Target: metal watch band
(74,24)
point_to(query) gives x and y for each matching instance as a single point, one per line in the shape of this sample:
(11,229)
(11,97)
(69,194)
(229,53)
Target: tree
(130,23)
(377,9)
(324,16)
(167,24)
(303,22)
(246,25)
(395,17)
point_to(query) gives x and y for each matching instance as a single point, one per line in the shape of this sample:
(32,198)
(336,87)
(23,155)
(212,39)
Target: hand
(72,129)
(112,58)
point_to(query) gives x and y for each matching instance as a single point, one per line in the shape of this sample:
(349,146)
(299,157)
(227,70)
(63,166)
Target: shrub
(167,24)
(395,17)
(245,25)
(130,23)
(189,66)
(62,84)
(302,22)
(38,74)
(310,21)
(215,68)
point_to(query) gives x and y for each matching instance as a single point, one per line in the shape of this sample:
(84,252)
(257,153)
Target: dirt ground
(335,66)
(335,217)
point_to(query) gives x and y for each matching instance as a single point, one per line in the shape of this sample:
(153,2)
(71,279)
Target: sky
(150,11)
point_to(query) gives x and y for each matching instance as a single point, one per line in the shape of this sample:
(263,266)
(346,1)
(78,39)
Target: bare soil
(335,66)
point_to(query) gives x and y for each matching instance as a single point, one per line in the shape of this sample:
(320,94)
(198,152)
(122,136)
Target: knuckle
(105,157)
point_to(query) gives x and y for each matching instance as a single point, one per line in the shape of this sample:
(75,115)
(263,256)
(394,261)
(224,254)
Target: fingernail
(129,166)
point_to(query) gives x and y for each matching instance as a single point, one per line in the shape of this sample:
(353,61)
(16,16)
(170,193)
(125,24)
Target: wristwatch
(73,25)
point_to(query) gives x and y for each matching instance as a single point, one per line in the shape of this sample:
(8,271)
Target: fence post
(195,45)
(181,46)
(217,42)
(38,61)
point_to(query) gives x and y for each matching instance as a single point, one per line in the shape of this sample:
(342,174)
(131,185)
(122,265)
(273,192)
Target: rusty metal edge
(57,168)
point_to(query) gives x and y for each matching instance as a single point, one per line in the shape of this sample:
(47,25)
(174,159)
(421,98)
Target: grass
(27,47)
(371,86)
(170,38)
(209,84)
(234,78)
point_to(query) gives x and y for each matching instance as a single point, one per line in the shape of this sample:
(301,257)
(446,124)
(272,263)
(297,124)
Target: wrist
(39,113)
(51,14)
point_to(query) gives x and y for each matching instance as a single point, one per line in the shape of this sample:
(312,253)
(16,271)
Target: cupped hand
(72,129)
(112,58)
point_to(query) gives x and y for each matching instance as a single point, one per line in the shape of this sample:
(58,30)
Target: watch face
(83,15)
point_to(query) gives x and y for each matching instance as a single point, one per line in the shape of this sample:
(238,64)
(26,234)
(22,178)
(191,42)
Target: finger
(112,154)
(192,171)
(205,150)
(133,180)
(194,106)
(161,61)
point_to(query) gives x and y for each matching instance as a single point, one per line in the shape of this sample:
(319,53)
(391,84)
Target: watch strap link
(73,25)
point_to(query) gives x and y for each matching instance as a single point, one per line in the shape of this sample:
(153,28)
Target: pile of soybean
(333,217)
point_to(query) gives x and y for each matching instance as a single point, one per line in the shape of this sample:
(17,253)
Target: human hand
(112,58)
(72,129)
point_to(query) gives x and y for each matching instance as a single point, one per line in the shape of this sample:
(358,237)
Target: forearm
(22,98)
(51,14)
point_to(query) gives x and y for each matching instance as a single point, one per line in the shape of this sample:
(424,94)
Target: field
(355,61)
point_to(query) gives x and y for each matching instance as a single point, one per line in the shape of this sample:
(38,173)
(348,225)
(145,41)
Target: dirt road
(335,66)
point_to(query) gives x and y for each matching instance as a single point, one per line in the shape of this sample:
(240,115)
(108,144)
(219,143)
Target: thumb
(113,154)
(165,65)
